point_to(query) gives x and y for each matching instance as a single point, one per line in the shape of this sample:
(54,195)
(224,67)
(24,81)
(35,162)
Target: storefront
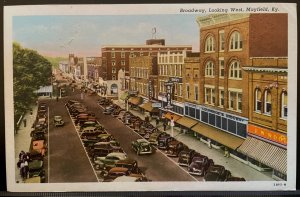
(147,106)
(233,124)
(266,149)
(135,101)
(177,107)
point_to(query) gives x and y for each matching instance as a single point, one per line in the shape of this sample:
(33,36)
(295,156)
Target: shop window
(241,129)
(284,107)
(236,42)
(235,70)
(209,69)
(204,116)
(186,110)
(224,123)
(218,121)
(192,112)
(197,114)
(209,44)
(268,104)
(257,100)
(231,126)
(211,119)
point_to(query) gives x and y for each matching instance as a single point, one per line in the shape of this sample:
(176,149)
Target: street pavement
(236,167)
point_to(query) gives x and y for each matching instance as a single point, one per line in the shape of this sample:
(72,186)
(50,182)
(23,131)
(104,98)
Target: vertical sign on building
(169,88)
(150,90)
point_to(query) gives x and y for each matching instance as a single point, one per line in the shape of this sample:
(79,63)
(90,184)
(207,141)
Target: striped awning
(148,107)
(218,135)
(175,116)
(265,153)
(187,122)
(135,100)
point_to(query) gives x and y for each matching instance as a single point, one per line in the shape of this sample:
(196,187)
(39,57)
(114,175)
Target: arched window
(268,102)
(209,69)
(235,71)
(258,100)
(209,44)
(284,108)
(236,42)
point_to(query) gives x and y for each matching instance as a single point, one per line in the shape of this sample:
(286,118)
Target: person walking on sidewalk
(209,143)
(226,152)
(165,125)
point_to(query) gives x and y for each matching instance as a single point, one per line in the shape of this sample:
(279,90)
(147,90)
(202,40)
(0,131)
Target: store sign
(169,95)
(156,105)
(150,89)
(175,79)
(267,134)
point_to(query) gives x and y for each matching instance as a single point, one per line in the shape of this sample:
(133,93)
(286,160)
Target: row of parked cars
(38,146)
(104,151)
(196,163)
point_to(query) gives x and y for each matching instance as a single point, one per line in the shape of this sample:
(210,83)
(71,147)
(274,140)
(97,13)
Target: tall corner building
(243,86)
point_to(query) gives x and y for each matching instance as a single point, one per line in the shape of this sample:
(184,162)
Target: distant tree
(30,71)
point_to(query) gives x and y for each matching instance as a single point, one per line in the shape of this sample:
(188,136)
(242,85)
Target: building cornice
(146,46)
(214,19)
(266,69)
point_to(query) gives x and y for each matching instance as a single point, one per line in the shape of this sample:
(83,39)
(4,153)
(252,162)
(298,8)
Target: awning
(135,100)
(187,122)
(265,153)
(175,116)
(124,96)
(148,107)
(218,135)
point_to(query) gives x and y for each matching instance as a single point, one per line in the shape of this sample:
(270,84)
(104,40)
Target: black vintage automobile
(163,141)
(185,157)
(199,165)
(217,173)
(174,148)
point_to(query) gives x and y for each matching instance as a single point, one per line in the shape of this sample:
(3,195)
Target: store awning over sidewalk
(187,122)
(218,135)
(148,107)
(175,116)
(124,96)
(135,100)
(265,153)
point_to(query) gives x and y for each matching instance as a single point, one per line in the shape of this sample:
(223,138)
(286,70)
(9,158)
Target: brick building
(116,57)
(93,68)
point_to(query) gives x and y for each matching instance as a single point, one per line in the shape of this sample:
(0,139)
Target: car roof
(116,154)
(118,169)
(142,140)
(89,128)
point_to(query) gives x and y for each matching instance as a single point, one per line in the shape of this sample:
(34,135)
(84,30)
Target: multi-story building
(116,57)
(268,112)
(229,42)
(93,67)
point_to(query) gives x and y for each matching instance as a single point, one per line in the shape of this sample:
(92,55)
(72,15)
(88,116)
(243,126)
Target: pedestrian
(56,98)
(209,143)
(226,152)
(24,121)
(165,125)
(157,121)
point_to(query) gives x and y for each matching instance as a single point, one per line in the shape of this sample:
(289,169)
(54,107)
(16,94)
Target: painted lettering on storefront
(268,134)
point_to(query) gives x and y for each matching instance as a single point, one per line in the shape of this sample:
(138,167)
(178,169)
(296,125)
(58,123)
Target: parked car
(58,121)
(111,144)
(88,135)
(105,137)
(185,157)
(153,139)
(90,130)
(141,147)
(100,152)
(174,147)
(200,165)
(217,173)
(91,124)
(114,173)
(37,135)
(235,179)
(109,161)
(163,141)
(109,110)
(130,164)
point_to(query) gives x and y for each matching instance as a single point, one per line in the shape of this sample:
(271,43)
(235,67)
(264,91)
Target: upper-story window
(236,42)
(284,107)
(180,89)
(113,63)
(235,71)
(221,40)
(196,72)
(196,92)
(268,102)
(123,62)
(221,68)
(221,98)
(257,100)
(122,54)
(209,44)
(188,72)
(113,55)
(187,91)
(209,69)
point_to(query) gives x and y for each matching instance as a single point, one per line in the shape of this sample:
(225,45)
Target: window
(284,108)
(222,41)
(171,59)
(187,91)
(196,73)
(113,55)
(209,95)
(113,70)
(180,89)
(180,70)
(180,59)
(113,77)
(209,69)
(221,98)
(268,105)
(122,54)
(175,88)
(209,44)
(239,102)
(236,42)
(196,92)
(257,100)
(141,53)
(235,101)
(213,96)
(221,68)
(113,63)
(175,59)
(131,54)
(175,69)
(188,72)
(231,100)
(235,70)
(123,62)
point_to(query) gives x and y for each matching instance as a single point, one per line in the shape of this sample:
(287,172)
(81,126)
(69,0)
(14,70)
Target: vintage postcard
(151,97)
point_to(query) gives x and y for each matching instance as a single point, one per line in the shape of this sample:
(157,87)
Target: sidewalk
(236,167)
(23,139)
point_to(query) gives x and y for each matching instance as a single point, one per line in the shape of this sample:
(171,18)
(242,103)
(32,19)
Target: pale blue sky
(85,35)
